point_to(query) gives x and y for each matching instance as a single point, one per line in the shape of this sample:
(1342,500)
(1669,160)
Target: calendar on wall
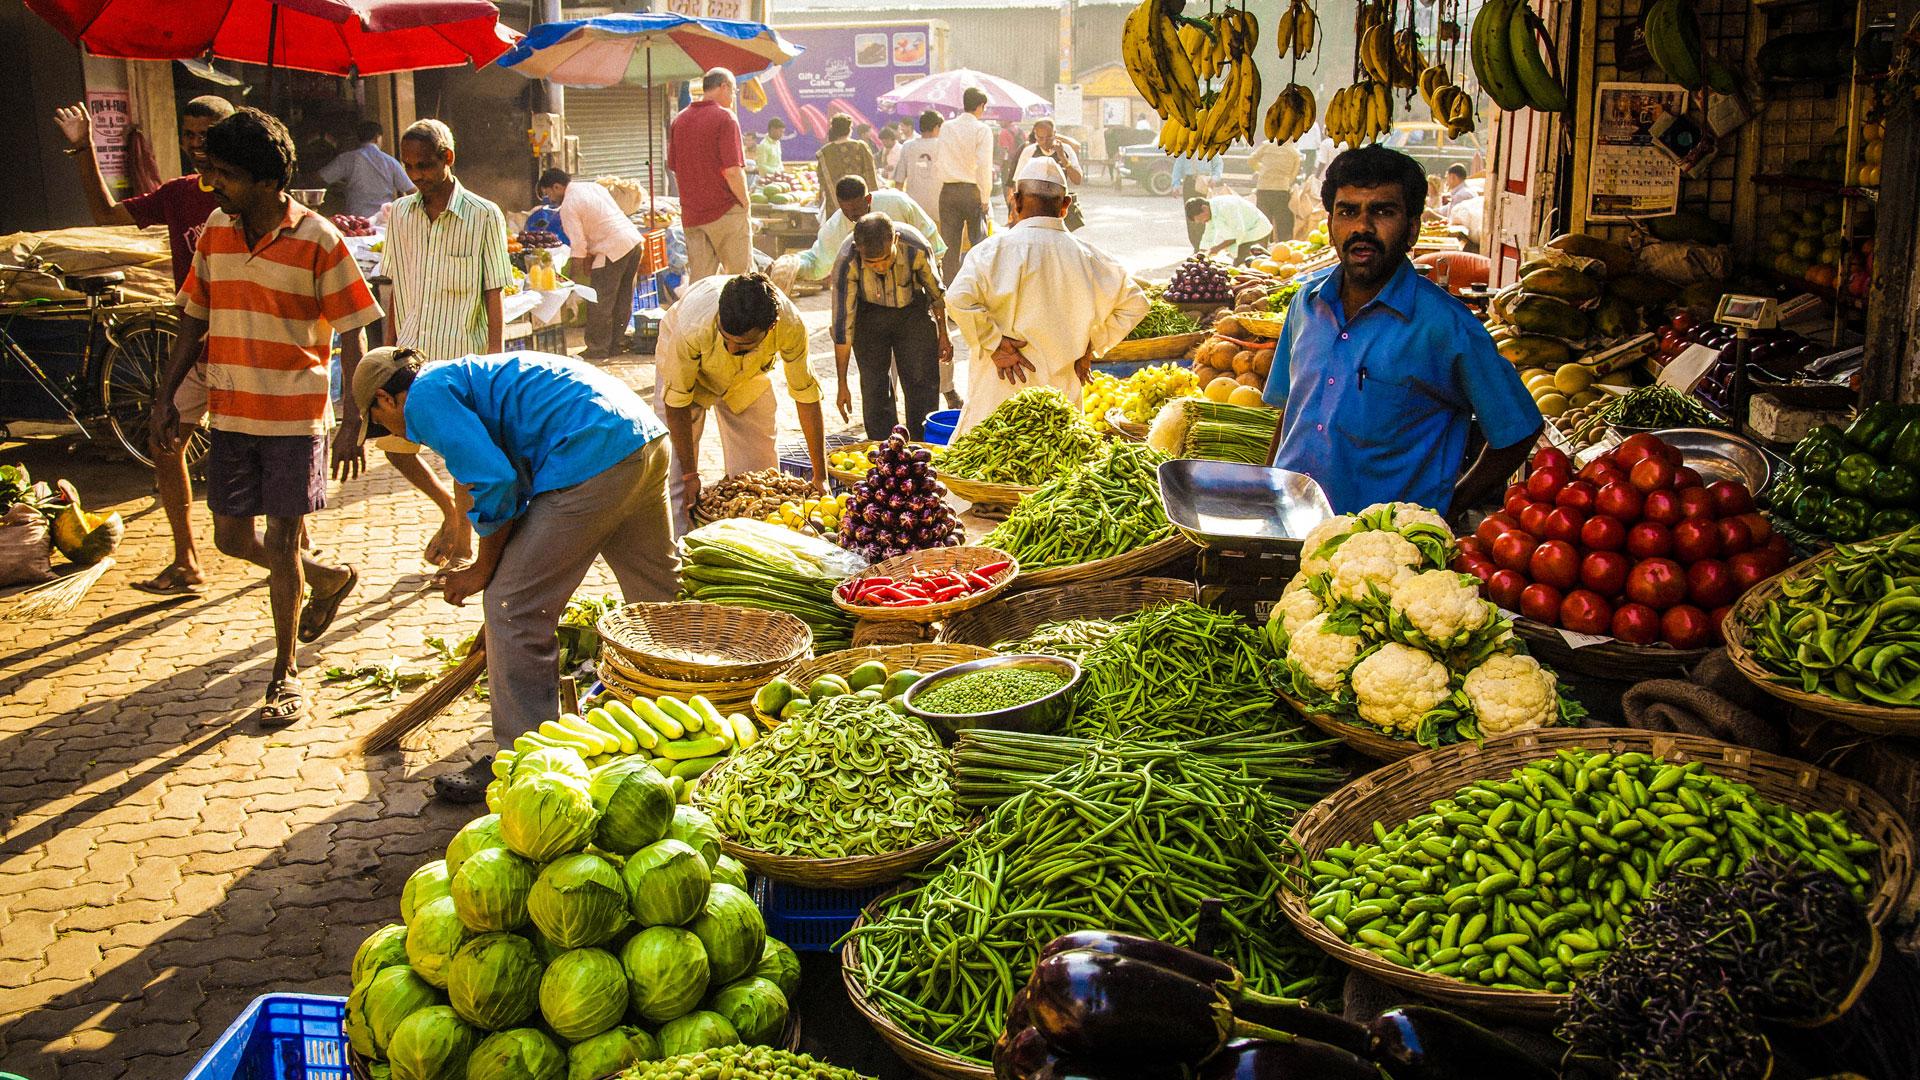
(1631,175)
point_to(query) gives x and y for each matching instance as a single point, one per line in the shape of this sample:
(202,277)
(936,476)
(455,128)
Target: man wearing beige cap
(561,462)
(1034,302)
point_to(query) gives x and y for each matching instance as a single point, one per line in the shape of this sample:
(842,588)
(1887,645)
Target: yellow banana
(1283,30)
(1376,53)
(1305,25)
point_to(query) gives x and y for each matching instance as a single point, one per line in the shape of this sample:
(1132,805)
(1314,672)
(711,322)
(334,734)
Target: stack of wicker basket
(687,648)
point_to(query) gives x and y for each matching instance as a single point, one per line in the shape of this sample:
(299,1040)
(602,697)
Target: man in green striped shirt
(446,256)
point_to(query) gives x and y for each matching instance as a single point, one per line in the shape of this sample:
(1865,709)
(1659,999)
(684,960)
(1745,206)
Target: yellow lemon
(1572,378)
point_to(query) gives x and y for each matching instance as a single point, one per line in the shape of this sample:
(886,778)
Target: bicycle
(122,361)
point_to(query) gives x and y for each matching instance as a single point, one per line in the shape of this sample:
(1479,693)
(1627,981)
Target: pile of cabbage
(1377,631)
(591,923)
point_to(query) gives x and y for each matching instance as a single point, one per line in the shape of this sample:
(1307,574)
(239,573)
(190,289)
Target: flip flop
(320,610)
(286,705)
(167,583)
(469,785)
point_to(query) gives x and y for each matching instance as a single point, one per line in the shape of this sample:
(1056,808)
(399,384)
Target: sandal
(169,582)
(469,785)
(286,704)
(320,610)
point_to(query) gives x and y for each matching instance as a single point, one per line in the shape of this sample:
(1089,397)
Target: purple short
(283,476)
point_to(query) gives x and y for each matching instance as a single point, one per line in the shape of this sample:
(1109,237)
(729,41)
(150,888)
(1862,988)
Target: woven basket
(1399,791)
(982,494)
(931,560)
(1615,660)
(1125,430)
(751,643)
(1370,741)
(1134,563)
(856,872)
(735,695)
(1166,347)
(1259,325)
(925,658)
(1865,716)
(1015,616)
(926,1060)
(868,634)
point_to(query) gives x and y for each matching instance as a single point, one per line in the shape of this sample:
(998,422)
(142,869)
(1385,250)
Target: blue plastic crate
(281,1037)
(811,920)
(1121,369)
(795,461)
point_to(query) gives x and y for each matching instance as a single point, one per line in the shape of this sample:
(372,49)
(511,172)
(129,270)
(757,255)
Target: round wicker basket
(732,695)
(853,872)
(927,658)
(1124,429)
(1015,616)
(928,1061)
(982,494)
(741,642)
(931,560)
(1863,715)
(1131,564)
(1397,792)
(1615,660)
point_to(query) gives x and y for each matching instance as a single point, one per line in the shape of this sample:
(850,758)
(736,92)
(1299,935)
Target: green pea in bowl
(997,678)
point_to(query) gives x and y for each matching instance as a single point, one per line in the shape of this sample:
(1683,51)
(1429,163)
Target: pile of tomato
(1634,545)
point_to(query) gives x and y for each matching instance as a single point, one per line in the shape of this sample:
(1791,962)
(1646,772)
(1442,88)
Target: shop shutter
(611,124)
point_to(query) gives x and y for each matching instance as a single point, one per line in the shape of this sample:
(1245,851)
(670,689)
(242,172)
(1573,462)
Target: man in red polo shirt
(705,156)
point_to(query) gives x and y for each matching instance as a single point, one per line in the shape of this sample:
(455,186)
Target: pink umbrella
(1006,100)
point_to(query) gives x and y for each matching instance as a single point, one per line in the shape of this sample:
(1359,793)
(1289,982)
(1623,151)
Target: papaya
(1502,301)
(1563,284)
(1618,259)
(84,538)
(1615,318)
(1640,290)
(1538,313)
(1535,351)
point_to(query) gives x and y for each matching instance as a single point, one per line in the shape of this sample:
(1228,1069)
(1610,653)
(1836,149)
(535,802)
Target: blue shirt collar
(1398,296)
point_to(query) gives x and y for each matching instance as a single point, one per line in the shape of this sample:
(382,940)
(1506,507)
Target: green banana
(1492,60)
(1523,46)
(1673,38)
(1722,78)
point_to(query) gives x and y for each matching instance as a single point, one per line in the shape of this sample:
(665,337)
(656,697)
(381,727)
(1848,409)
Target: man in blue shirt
(1380,371)
(560,463)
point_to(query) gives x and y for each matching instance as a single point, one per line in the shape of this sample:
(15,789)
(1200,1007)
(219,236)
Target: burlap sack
(25,547)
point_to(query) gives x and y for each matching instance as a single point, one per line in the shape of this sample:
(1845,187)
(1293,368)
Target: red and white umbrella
(1006,100)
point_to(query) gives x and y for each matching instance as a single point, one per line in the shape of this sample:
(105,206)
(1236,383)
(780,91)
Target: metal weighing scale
(1248,521)
(1745,314)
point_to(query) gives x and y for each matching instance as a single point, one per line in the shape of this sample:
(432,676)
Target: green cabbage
(519,1054)
(490,891)
(436,934)
(729,870)
(545,816)
(429,883)
(733,932)
(695,1032)
(543,945)
(666,972)
(578,900)
(610,1051)
(384,947)
(635,803)
(431,1044)
(695,829)
(780,966)
(583,993)
(550,759)
(667,883)
(494,980)
(480,833)
(376,1007)
(755,1007)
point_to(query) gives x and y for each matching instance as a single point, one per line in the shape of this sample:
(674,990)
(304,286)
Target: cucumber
(663,765)
(562,736)
(603,720)
(744,733)
(681,792)
(649,711)
(711,721)
(603,743)
(687,749)
(689,720)
(693,768)
(645,737)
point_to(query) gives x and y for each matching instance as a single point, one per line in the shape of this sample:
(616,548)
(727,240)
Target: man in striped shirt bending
(446,254)
(270,284)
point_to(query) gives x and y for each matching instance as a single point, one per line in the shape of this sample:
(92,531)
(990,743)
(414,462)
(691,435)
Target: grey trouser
(610,314)
(621,515)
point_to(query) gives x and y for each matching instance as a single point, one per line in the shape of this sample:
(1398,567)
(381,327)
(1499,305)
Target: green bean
(1107,507)
(1176,671)
(1030,438)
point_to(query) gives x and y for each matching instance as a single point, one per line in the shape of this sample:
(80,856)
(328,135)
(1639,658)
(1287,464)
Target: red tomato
(1686,477)
(1684,626)
(1662,507)
(1605,572)
(1555,563)
(1620,500)
(1636,624)
(1710,584)
(1479,568)
(1750,568)
(1534,517)
(1586,612)
(1780,549)
(1684,320)
(1603,533)
(1730,498)
(1516,498)
(1496,523)
(1652,474)
(1735,536)
(1649,540)
(1637,448)
(1695,539)
(1602,471)
(1548,457)
(1545,483)
(1474,547)
(1717,622)
(1695,503)
(1514,550)
(1564,523)
(1577,495)
(1758,525)
(1657,583)
(1504,588)
(1541,603)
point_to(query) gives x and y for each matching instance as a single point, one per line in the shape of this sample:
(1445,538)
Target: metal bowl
(309,197)
(1041,716)
(1721,455)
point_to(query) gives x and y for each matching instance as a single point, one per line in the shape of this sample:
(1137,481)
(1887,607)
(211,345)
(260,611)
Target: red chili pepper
(974,580)
(950,592)
(913,602)
(868,583)
(992,569)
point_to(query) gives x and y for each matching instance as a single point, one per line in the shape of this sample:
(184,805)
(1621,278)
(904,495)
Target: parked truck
(845,68)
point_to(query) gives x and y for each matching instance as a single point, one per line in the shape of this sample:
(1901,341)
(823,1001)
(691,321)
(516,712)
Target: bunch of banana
(1297,30)
(1230,112)
(1673,37)
(1505,47)
(1291,114)
(1449,104)
(1206,46)
(1407,61)
(1359,113)
(1158,63)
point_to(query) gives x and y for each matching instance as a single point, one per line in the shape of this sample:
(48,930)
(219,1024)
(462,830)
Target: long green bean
(1108,507)
(1030,438)
(1177,671)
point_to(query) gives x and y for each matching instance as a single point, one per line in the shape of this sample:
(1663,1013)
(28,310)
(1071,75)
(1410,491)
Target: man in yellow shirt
(718,343)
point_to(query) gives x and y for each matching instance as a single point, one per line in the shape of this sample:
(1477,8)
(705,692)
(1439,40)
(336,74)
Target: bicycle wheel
(135,364)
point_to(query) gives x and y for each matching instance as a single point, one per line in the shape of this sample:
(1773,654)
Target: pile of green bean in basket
(847,777)
(1107,507)
(1030,438)
(1525,883)
(1851,631)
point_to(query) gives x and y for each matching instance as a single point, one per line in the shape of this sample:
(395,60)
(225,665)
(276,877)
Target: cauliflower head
(1324,656)
(1296,606)
(1512,693)
(1442,606)
(1338,525)
(1371,560)
(1398,685)
(1405,514)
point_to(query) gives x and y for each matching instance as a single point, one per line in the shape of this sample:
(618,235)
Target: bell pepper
(1874,425)
(1810,506)
(1847,518)
(1892,521)
(1906,447)
(1816,456)
(1855,474)
(1893,486)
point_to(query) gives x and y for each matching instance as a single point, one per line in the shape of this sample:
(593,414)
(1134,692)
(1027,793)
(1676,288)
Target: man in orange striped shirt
(270,285)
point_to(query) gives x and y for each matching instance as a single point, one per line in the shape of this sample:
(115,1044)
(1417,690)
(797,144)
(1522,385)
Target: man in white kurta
(1034,302)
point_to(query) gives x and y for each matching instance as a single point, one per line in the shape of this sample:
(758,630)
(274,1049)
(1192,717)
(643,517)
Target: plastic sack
(1685,263)
(25,547)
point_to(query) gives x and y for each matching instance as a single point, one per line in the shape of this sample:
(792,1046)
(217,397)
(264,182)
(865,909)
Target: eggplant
(922,456)
(1418,1042)
(1291,1059)
(1159,953)
(1118,1012)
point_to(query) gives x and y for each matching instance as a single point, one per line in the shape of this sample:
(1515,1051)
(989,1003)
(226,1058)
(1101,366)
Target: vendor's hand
(1083,367)
(944,351)
(164,425)
(457,585)
(452,544)
(692,482)
(1013,364)
(349,456)
(75,124)
(816,482)
(844,399)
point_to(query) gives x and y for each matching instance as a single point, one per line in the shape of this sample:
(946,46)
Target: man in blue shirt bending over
(1380,371)
(560,462)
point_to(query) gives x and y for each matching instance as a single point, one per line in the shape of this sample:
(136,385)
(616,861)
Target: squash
(82,537)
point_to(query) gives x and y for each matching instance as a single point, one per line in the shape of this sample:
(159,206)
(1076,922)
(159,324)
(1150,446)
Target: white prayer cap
(1042,170)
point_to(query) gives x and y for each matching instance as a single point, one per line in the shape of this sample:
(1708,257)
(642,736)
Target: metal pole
(273,32)
(650,218)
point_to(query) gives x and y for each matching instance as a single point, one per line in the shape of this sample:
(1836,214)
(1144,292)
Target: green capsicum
(1892,521)
(1893,486)
(1854,476)
(1874,425)
(1906,447)
(1847,518)
(1816,456)
(1810,506)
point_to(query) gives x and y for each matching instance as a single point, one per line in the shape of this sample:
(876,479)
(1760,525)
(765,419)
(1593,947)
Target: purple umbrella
(941,93)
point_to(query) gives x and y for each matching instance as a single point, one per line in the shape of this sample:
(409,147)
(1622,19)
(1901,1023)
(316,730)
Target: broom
(432,701)
(56,597)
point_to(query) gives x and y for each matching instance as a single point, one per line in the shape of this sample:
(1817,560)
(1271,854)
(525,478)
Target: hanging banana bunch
(1292,113)
(1360,113)
(1298,29)
(1508,60)
(1450,105)
(1158,61)
(1224,46)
